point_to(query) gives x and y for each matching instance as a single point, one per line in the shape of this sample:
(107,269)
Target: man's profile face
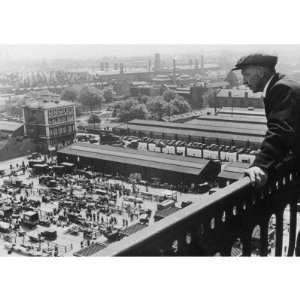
(253,77)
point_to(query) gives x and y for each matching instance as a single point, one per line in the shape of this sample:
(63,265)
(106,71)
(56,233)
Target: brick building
(238,98)
(50,121)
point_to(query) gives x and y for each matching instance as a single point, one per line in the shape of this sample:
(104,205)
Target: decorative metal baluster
(279,233)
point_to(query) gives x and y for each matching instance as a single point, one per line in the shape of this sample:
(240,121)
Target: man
(282,107)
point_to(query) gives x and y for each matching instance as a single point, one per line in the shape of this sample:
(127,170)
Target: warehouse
(234,119)
(222,127)
(221,124)
(11,128)
(238,98)
(234,111)
(222,133)
(124,161)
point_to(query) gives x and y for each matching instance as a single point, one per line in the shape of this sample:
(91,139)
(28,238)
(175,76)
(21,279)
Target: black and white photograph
(161,136)
(189,151)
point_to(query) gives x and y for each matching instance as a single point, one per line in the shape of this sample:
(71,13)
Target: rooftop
(46,104)
(240,111)
(197,133)
(235,118)
(238,93)
(226,123)
(186,165)
(224,127)
(9,126)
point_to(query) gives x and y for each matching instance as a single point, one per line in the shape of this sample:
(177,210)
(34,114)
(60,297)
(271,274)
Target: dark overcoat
(282,106)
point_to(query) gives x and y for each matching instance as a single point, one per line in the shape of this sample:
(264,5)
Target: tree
(70,94)
(108,94)
(131,109)
(168,95)
(181,105)
(232,79)
(139,111)
(94,119)
(169,109)
(116,109)
(144,99)
(122,109)
(156,107)
(90,97)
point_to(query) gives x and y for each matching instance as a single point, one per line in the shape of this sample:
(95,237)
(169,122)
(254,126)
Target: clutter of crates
(196,149)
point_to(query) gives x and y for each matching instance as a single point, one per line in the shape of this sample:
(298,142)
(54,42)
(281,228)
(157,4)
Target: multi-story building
(157,65)
(50,121)
(238,98)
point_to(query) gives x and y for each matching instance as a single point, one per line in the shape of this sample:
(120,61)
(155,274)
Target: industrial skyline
(90,51)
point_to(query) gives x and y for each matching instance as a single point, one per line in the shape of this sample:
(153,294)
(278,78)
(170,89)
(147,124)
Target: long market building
(207,132)
(123,161)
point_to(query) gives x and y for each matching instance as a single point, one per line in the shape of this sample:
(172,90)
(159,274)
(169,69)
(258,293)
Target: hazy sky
(20,52)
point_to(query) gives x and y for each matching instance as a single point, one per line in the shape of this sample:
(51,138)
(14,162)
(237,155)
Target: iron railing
(236,220)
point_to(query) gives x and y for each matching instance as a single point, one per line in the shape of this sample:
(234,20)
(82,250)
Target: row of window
(240,102)
(60,111)
(61,119)
(55,143)
(62,130)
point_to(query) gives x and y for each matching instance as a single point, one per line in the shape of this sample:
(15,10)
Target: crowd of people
(85,204)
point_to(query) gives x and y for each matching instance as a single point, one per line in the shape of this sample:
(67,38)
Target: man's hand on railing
(258,176)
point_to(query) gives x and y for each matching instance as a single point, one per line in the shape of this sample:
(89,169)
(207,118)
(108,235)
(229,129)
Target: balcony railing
(236,220)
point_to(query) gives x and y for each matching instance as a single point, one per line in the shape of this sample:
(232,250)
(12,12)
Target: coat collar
(267,85)
(274,79)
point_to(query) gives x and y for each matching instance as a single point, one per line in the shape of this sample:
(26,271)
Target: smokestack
(202,63)
(156,62)
(174,70)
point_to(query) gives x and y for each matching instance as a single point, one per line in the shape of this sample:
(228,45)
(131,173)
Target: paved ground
(65,239)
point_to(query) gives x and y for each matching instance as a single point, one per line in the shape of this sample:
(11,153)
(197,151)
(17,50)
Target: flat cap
(263,60)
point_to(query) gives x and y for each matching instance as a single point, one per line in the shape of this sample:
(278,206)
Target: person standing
(282,107)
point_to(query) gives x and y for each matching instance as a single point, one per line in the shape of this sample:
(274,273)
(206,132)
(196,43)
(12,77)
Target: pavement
(65,239)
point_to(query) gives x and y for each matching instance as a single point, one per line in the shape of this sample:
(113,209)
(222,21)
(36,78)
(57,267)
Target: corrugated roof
(159,161)
(219,123)
(239,111)
(10,126)
(244,137)
(223,127)
(235,118)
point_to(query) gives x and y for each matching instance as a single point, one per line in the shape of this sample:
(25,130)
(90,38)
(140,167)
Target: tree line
(155,108)
(88,98)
